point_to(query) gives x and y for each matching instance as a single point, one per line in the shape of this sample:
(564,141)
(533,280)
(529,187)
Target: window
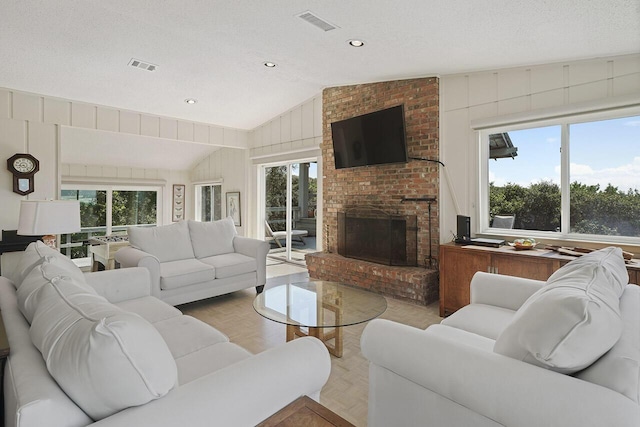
(208,202)
(108,210)
(575,177)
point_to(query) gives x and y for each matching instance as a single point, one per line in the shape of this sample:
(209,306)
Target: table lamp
(48,218)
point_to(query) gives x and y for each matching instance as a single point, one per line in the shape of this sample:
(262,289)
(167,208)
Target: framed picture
(233,206)
(178,202)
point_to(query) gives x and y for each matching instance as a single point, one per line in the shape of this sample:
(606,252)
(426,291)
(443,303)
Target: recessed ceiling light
(269,64)
(190,101)
(356,43)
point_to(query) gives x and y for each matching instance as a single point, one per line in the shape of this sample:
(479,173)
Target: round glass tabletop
(319,304)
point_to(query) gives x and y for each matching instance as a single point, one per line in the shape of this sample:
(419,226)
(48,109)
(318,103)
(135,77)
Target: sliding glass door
(291,194)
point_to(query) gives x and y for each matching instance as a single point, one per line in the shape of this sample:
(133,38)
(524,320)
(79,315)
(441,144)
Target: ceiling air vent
(315,20)
(143,65)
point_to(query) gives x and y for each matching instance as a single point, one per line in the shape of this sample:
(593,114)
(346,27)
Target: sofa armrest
(122,284)
(505,390)
(502,291)
(242,394)
(132,257)
(257,249)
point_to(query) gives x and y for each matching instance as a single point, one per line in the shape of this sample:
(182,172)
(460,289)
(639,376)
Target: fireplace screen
(372,235)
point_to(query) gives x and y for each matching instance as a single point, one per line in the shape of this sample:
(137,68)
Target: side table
(305,411)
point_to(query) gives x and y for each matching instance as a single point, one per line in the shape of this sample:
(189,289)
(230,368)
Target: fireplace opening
(371,234)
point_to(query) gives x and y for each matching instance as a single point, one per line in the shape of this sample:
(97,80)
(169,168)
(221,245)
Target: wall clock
(23,167)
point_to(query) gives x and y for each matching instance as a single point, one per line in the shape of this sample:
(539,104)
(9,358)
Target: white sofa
(523,353)
(116,356)
(192,260)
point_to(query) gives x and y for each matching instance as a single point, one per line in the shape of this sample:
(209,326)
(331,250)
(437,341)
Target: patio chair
(298,235)
(503,221)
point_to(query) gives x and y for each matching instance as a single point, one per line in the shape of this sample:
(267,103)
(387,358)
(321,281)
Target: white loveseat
(98,349)
(192,260)
(522,354)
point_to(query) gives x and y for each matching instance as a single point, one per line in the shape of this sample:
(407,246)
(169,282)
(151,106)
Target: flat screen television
(371,139)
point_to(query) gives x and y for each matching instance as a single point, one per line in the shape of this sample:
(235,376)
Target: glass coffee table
(321,307)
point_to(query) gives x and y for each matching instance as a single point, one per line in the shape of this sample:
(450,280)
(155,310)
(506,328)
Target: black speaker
(464,229)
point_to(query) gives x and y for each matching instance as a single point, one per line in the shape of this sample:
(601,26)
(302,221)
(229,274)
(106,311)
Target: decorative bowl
(523,244)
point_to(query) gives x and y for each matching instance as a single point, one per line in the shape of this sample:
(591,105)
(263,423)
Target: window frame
(198,199)
(564,121)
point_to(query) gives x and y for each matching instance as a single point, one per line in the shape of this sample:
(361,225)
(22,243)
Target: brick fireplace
(400,189)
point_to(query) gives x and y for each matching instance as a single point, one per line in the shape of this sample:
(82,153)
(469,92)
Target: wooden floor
(347,389)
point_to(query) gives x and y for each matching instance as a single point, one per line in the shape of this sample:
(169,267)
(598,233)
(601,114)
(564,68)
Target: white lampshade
(41,217)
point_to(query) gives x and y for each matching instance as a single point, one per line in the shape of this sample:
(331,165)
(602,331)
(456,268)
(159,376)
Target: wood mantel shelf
(458,264)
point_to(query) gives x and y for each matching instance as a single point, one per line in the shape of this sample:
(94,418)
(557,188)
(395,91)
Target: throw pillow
(165,242)
(105,359)
(574,319)
(212,238)
(50,267)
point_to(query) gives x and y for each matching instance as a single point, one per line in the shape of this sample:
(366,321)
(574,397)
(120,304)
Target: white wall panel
(514,105)
(77,170)
(83,115)
(548,99)
(457,90)
(482,88)
(296,123)
(588,92)
(26,106)
(124,173)
(546,78)
(317,115)
(512,84)
(13,139)
(149,125)
(626,84)
(5,104)
(185,130)
(168,128)
(307,120)
(285,127)
(201,133)
(110,171)
(108,119)
(57,111)
(130,122)
(276,135)
(43,145)
(216,135)
(581,73)
(137,173)
(91,171)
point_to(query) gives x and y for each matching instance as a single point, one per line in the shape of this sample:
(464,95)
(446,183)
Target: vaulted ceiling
(214,50)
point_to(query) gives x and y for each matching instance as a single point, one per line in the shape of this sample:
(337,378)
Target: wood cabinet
(459,263)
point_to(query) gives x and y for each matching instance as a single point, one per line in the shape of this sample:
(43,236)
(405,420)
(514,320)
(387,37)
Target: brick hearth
(415,284)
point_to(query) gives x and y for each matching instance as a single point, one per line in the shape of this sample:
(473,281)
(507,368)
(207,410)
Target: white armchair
(449,374)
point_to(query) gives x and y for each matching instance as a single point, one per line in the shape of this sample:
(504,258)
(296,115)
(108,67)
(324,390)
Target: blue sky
(604,152)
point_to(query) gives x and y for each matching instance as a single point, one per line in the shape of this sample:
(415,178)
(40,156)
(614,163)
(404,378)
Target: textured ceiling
(214,50)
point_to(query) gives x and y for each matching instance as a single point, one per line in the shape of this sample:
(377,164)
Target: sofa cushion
(186,334)
(104,358)
(574,319)
(619,368)
(485,320)
(166,242)
(176,274)
(229,265)
(209,359)
(212,238)
(150,308)
(51,267)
